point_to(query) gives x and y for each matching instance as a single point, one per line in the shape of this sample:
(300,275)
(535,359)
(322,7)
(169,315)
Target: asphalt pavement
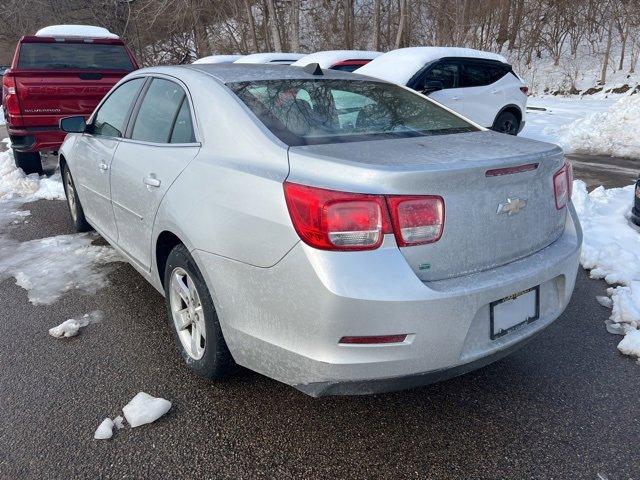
(563,407)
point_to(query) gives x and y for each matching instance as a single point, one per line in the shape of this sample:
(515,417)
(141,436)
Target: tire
(29,162)
(507,123)
(78,219)
(186,291)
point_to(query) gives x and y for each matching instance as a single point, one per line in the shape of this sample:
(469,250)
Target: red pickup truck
(54,76)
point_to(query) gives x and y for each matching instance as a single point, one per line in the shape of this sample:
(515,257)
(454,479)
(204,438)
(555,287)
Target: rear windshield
(86,56)
(308,112)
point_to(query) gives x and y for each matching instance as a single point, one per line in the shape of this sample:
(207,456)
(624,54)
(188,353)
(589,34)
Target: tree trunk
(401,24)
(273,23)
(503,28)
(607,53)
(623,50)
(295,25)
(515,26)
(376,25)
(348,24)
(252,27)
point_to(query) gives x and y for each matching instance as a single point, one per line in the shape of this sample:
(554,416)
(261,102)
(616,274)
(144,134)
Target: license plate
(514,311)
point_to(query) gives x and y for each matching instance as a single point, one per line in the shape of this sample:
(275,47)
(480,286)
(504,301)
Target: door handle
(152,181)
(455,98)
(495,92)
(103,166)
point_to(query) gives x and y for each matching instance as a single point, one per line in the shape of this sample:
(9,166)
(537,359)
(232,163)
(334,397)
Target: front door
(161,145)
(451,95)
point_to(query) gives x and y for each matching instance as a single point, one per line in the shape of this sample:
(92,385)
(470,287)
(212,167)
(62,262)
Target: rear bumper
(40,139)
(286,321)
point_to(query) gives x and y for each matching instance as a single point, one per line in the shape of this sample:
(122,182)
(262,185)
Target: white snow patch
(277,58)
(75,31)
(613,132)
(14,184)
(104,430)
(328,58)
(71,327)
(211,59)
(398,66)
(143,408)
(611,251)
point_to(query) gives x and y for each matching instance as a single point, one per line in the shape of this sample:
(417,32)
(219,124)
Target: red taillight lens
(525,90)
(331,220)
(563,185)
(416,219)
(9,95)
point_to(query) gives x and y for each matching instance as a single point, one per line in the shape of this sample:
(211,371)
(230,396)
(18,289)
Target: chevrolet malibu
(335,232)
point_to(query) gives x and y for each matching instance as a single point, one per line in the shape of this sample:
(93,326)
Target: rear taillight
(333,220)
(563,185)
(9,95)
(525,90)
(416,220)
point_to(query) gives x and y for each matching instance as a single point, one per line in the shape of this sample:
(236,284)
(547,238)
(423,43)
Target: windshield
(80,56)
(307,112)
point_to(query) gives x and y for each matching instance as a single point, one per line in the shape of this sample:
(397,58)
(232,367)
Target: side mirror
(432,86)
(73,124)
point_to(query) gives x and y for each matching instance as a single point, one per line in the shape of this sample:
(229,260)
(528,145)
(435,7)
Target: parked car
(345,60)
(480,85)
(336,254)
(635,210)
(219,59)
(276,58)
(63,70)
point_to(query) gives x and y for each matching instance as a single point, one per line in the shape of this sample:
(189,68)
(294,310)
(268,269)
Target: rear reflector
(496,172)
(376,339)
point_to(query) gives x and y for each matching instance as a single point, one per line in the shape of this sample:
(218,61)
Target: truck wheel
(193,318)
(29,162)
(80,223)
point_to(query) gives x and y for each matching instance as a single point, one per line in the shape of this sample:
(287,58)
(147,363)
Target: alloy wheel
(187,313)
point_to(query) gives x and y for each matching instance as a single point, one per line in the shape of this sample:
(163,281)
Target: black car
(635,211)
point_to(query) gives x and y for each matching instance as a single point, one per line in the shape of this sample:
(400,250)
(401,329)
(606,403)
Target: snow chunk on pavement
(611,250)
(613,132)
(71,327)
(14,184)
(104,430)
(143,408)
(604,301)
(118,422)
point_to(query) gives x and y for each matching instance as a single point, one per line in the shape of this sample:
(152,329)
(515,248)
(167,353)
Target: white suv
(480,85)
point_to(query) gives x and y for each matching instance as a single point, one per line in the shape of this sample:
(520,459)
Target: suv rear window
(84,56)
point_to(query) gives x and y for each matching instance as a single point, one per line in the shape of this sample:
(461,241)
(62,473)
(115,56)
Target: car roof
(244,72)
(328,58)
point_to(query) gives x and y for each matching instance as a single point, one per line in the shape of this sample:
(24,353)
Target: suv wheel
(193,318)
(80,223)
(29,162)
(507,123)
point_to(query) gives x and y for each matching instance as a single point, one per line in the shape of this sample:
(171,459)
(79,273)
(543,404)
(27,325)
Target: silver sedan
(335,232)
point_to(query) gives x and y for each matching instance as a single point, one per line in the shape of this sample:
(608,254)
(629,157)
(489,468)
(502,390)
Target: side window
(158,111)
(183,128)
(445,72)
(480,74)
(112,116)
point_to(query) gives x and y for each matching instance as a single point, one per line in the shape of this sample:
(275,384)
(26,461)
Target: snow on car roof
(398,66)
(218,59)
(270,58)
(328,58)
(75,31)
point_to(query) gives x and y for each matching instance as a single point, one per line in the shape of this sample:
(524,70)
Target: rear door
(93,153)
(161,142)
(63,78)
(447,72)
(484,86)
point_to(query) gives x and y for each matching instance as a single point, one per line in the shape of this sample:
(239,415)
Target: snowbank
(615,132)
(398,66)
(328,58)
(611,250)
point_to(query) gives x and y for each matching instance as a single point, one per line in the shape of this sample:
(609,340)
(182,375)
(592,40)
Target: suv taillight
(563,185)
(333,220)
(9,95)
(525,90)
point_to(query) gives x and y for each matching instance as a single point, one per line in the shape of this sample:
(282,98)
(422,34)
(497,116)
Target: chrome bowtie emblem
(511,206)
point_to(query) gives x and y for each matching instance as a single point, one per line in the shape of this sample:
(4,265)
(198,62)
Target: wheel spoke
(182,319)
(182,290)
(195,339)
(192,288)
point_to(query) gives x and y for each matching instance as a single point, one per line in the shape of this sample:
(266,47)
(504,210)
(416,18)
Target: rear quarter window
(481,74)
(78,56)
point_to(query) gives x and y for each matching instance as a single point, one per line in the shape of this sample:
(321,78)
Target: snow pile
(328,58)
(143,408)
(613,132)
(398,66)
(611,250)
(14,184)
(71,327)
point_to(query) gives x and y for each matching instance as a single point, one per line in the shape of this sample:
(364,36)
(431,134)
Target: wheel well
(511,109)
(62,162)
(165,243)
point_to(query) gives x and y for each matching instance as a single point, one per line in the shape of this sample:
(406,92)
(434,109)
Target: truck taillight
(333,220)
(563,185)
(9,95)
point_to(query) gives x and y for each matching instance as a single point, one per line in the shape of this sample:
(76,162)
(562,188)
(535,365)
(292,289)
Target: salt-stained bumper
(286,321)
